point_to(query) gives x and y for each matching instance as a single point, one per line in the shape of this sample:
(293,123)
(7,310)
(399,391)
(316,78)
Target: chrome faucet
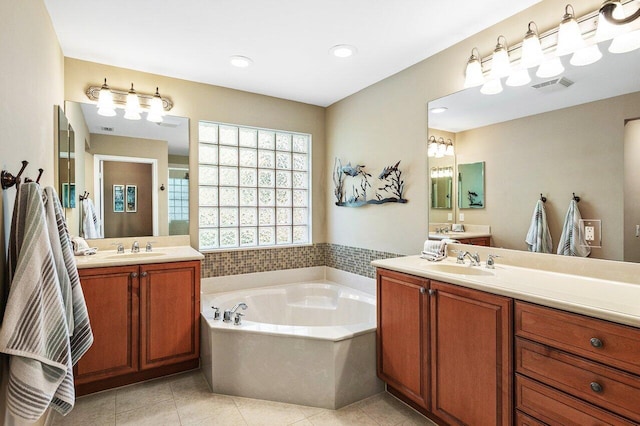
(149,246)
(229,312)
(119,248)
(491,261)
(474,258)
(135,247)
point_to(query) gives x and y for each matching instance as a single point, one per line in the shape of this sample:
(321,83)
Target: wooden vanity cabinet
(145,323)
(576,370)
(478,241)
(445,349)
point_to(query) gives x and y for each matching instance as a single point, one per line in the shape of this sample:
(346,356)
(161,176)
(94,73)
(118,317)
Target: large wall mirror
(136,173)
(580,135)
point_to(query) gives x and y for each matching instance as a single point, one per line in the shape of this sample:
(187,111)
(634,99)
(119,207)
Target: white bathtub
(308,343)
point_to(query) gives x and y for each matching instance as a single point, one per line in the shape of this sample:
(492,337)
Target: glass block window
(178,189)
(254,187)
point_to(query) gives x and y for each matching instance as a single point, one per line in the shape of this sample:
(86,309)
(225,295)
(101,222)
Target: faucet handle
(238,319)
(491,261)
(149,246)
(119,247)
(216,313)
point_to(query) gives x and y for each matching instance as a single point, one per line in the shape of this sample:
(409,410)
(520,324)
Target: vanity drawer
(524,420)
(556,408)
(611,344)
(603,386)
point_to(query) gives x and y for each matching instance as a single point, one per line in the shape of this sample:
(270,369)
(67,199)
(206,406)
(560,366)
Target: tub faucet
(474,258)
(229,312)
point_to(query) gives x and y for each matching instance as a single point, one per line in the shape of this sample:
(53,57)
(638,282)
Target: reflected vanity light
(134,103)
(439,148)
(616,20)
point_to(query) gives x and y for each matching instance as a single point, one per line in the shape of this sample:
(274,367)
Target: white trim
(99,159)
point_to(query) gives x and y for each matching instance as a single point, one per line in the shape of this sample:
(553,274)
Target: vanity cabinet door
(170,310)
(402,334)
(111,295)
(471,356)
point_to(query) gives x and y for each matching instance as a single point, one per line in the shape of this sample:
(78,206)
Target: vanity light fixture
(491,87)
(570,41)
(473,74)
(240,61)
(343,50)
(532,55)
(500,66)
(108,99)
(432,146)
(449,150)
(550,68)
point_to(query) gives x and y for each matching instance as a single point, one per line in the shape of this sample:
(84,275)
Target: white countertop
(458,235)
(600,298)
(158,255)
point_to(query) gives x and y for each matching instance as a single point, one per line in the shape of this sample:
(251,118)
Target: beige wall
(31,84)
(140,148)
(387,121)
(206,102)
(578,149)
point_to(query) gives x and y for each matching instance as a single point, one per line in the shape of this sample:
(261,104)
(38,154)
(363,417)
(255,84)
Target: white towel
(434,250)
(538,237)
(90,223)
(34,329)
(572,242)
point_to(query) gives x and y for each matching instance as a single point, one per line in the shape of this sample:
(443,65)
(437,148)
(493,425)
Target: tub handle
(238,319)
(216,313)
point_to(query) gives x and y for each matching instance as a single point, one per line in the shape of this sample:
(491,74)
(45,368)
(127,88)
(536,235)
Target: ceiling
(288,40)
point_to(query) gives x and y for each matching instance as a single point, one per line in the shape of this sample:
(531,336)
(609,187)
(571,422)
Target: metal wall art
(357,180)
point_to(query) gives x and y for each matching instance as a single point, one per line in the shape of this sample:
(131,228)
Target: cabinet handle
(595,342)
(144,274)
(432,292)
(596,387)
(134,275)
(423,290)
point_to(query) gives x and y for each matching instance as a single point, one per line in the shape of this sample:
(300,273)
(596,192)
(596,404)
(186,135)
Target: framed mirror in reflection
(151,157)
(441,187)
(560,139)
(471,185)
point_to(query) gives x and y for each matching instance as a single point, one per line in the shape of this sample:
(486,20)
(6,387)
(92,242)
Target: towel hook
(7,180)
(40,171)
(576,198)
(543,198)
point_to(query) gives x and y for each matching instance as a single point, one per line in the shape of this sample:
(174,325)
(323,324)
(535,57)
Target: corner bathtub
(311,343)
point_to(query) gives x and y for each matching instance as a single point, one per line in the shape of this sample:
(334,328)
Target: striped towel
(90,223)
(81,337)
(572,242)
(34,329)
(538,237)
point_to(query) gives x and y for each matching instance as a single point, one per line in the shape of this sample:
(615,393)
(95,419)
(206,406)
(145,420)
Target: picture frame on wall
(132,199)
(118,198)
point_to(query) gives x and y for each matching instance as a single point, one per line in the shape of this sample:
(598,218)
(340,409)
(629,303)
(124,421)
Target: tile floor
(185,399)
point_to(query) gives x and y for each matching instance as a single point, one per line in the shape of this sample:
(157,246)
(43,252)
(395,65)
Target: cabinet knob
(596,387)
(134,275)
(432,292)
(423,290)
(595,342)
(144,274)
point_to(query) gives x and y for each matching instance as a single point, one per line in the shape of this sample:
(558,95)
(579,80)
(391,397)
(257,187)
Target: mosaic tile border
(351,259)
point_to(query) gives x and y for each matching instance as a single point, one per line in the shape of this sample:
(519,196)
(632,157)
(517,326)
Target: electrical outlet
(589,233)
(461,217)
(450,217)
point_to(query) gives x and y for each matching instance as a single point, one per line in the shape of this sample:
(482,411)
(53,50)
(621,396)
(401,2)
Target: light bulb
(569,35)
(531,49)
(500,65)
(550,68)
(606,30)
(473,73)
(132,109)
(519,77)
(586,56)
(491,87)
(156,110)
(106,107)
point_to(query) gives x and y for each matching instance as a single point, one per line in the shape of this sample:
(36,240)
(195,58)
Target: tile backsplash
(351,259)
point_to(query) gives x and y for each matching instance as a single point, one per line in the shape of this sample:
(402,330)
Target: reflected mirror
(66,161)
(572,134)
(135,173)
(441,187)
(471,185)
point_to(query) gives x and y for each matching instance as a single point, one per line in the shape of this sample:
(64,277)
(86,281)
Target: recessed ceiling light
(438,110)
(343,50)
(240,61)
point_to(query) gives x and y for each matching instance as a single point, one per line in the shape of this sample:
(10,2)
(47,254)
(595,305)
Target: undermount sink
(141,255)
(460,269)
